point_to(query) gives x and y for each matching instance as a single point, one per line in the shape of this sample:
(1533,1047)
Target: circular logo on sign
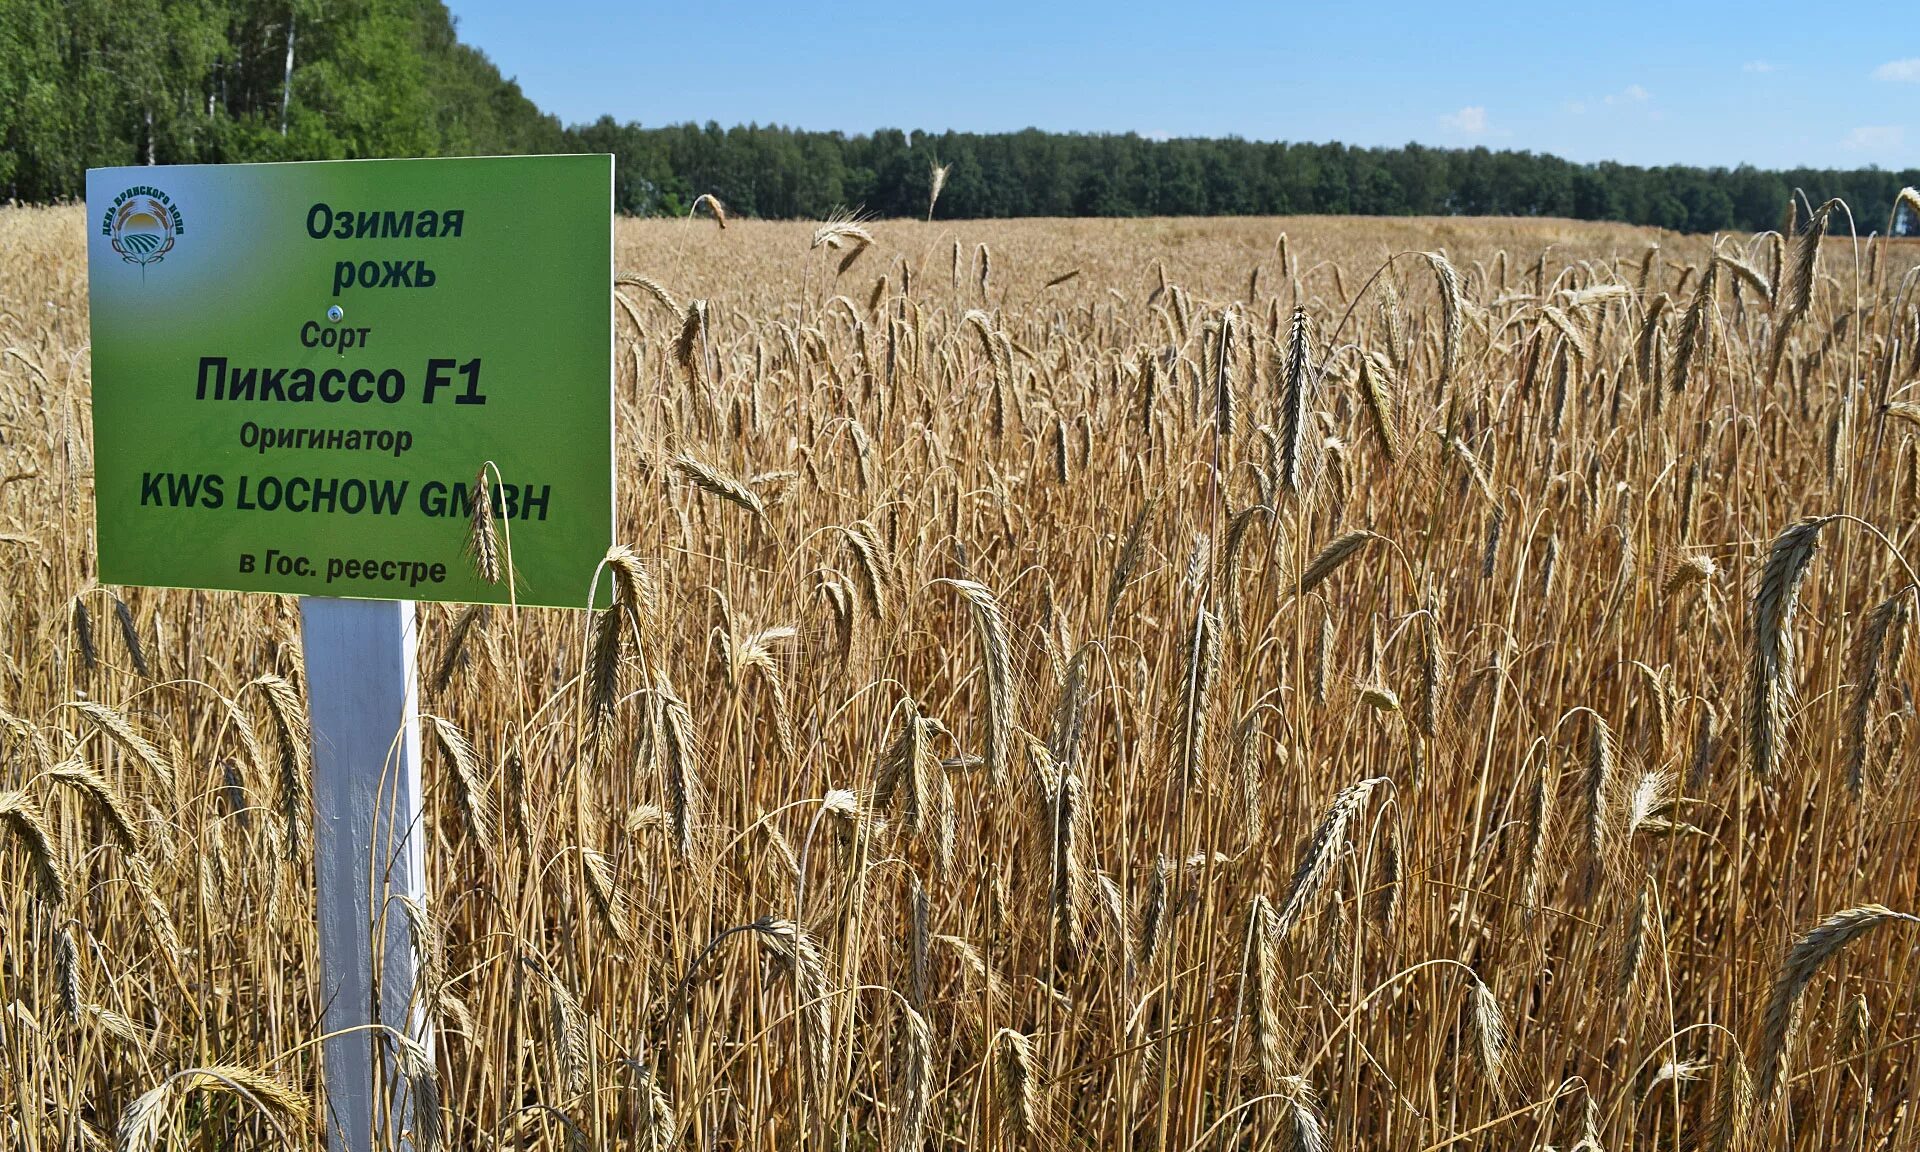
(144,230)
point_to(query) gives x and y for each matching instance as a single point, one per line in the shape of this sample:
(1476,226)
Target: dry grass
(997,737)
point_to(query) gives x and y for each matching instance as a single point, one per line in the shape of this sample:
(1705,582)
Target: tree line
(90,83)
(785,172)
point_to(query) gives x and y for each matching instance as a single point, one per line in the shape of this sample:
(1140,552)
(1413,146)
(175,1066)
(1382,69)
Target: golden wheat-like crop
(1166,684)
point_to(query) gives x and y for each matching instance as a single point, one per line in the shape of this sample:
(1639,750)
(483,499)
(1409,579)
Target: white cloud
(1469,121)
(1758,66)
(1875,138)
(1632,96)
(1899,71)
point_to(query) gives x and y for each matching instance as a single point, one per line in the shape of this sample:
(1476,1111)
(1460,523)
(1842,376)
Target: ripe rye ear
(1538,830)
(1434,671)
(913,1084)
(71,976)
(143,1126)
(1202,673)
(800,955)
(1809,952)
(1796,292)
(1222,365)
(1130,553)
(130,636)
(1884,629)
(456,646)
(1648,262)
(1329,559)
(687,350)
(76,774)
(1302,1127)
(568,1026)
(1770,666)
(910,771)
(706,478)
(606,896)
(680,759)
(1747,274)
(21,817)
(938,181)
(1262,990)
(83,634)
(483,543)
(1157,914)
(714,206)
(1376,392)
(118,730)
(1603,758)
(1248,736)
(1018,1098)
(1734,1110)
(29,736)
(1323,851)
(470,789)
(423,1091)
(1693,325)
(1491,1040)
(1387,895)
(873,567)
(996,657)
(1298,381)
(636,604)
(1650,330)
(652,288)
(1451,322)
(1071,893)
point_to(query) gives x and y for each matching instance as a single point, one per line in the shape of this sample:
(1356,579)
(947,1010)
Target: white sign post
(368,838)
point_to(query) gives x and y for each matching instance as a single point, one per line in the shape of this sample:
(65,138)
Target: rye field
(1153,685)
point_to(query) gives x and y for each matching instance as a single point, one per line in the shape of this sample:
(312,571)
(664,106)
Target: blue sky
(1643,83)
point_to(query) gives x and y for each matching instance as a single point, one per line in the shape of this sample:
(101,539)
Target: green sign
(300,369)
